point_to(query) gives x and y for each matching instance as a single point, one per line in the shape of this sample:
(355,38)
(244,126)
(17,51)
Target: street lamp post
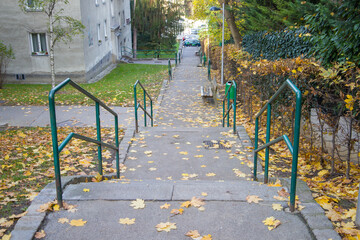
(222,43)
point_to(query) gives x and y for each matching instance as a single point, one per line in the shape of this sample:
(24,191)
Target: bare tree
(61,28)
(6,55)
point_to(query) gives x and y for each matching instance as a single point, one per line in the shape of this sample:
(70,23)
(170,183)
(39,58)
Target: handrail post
(268,127)
(295,151)
(234,107)
(117,145)
(151,113)
(55,149)
(144,107)
(256,146)
(228,106)
(169,69)
(209,70)
(176,62)
(223,118)
(179,55)
(98,130)
(136,110)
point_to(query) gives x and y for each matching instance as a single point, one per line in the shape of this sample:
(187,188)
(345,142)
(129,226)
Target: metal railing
(209,70)
(57,149)
(169,70)
(156,53)
(137,105)
(226,113)
(293,148)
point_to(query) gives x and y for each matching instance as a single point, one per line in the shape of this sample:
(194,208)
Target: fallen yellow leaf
(127,221)
(166,227)
(138,204)
(77,223)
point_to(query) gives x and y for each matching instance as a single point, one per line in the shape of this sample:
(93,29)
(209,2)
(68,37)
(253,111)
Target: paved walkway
(187,155)
(78,116)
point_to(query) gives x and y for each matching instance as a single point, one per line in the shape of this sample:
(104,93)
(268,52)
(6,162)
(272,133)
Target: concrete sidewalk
(78,116)
(187,157)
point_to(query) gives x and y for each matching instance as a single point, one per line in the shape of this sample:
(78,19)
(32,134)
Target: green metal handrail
(148,53)
(209,70)
(57,149)
(138,105)
(169,70)
(226,114)
(293,148)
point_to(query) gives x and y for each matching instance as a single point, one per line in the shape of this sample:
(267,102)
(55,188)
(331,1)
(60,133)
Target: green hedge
(276,45)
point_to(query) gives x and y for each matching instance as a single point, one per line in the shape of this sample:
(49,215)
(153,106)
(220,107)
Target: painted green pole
(234,107)
(176,62)
(256,146)
(98,130)
(268,127)
(209,70)
(144,108)
(117,145)
(55,147)
(136,110)
(295,146)
(152,117)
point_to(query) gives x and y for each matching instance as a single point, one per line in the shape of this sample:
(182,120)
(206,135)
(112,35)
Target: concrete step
(151,190)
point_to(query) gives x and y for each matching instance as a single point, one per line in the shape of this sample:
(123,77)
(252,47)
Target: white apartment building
(107,30)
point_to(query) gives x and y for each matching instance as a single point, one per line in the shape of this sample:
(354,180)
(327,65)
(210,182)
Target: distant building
(107,32)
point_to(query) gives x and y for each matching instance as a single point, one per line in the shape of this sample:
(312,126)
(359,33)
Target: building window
(98,34)
(112,8)
(96,2)
(38,44)
(105,30)
(31,5)
(103,1)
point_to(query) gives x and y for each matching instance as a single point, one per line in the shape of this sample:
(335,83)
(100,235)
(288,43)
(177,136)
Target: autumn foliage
(329,155)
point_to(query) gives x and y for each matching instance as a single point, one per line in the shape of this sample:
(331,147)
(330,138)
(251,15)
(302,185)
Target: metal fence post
(268,126)
(117,145)
(55,148)
(256,146)
(136,111)
(98,130)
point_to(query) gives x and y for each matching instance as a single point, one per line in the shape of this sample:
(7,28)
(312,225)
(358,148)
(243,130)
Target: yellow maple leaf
(138,204)
(197,202)
(165,206)
(177,211)
(166,227)
(21,134)
(77,223)
(210,174)
(183,153)
(333,215)
(276,184)
(39,235)
(56,207)
(127,221)
(86,190)
(186,204)
(277,207)
(193,234)
(63,220)
(6,237)
(322,173)
(253,198)
(204,194)
(207,237)
(272,223)
(199,156)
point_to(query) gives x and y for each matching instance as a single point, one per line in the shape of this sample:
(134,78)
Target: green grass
(26,164)
(114,89)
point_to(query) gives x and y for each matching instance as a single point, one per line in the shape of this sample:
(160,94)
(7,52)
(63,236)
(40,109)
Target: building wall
(97,44)
(15,29)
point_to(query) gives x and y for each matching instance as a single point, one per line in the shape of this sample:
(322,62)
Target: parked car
(192,43)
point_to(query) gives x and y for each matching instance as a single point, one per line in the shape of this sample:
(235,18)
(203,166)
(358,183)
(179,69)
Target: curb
(28,225)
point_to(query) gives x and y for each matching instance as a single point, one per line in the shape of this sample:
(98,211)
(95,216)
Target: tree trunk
(230,20)
(134,34)
(52,59)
